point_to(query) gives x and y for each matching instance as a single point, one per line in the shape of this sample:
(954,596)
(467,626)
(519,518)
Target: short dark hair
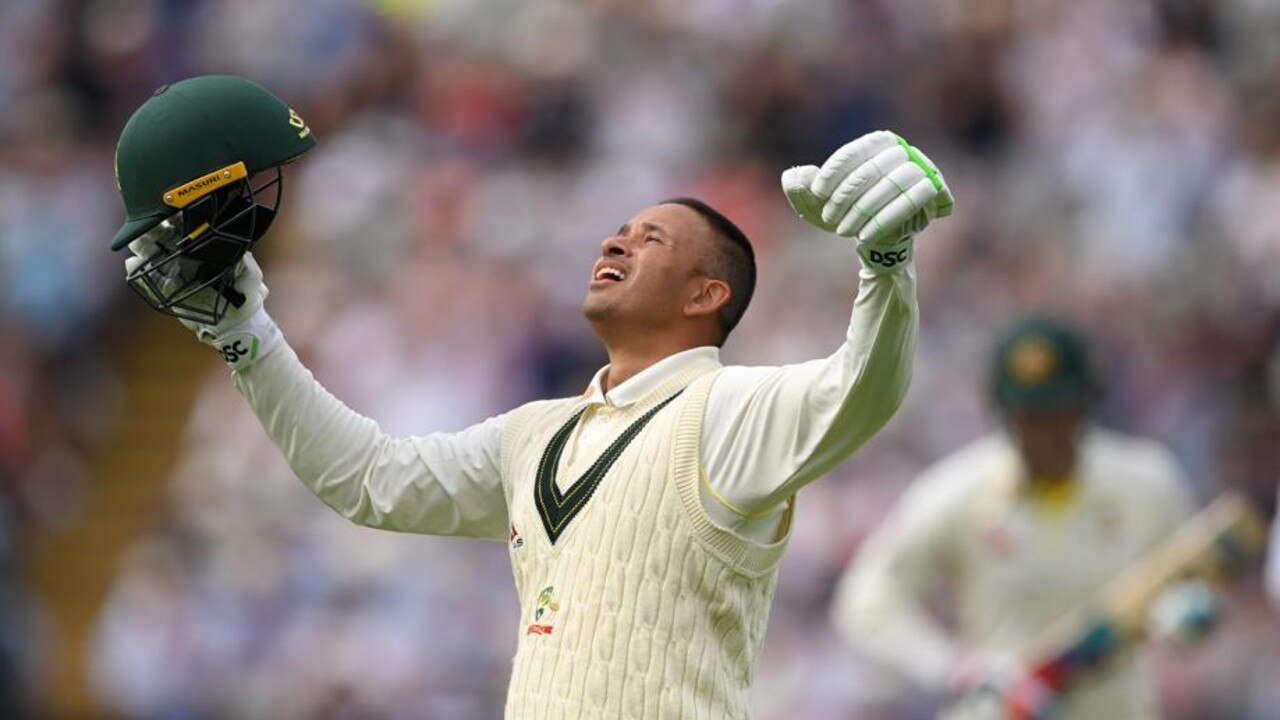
(734,261)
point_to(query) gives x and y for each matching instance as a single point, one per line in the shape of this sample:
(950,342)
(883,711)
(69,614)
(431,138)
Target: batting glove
(878,190)
(992,686)
(245,333)
(1185,614)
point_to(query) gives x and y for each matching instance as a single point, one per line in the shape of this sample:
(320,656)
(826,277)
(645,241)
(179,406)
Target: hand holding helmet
(198,166)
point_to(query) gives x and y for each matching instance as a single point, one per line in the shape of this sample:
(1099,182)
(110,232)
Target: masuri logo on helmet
(198,167)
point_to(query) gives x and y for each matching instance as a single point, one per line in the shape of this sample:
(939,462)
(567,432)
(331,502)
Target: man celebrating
(645,519)
(1019,529)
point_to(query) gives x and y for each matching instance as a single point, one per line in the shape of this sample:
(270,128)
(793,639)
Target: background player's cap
(1041,363)
(195,136)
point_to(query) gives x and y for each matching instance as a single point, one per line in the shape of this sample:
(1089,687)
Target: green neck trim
(558,509)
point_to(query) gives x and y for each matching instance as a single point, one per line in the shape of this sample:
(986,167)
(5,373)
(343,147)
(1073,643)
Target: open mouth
(608,274)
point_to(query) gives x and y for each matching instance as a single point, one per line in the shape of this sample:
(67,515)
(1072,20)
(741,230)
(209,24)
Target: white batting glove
(978,686)
(878,190)
(245,333)
(1185,614)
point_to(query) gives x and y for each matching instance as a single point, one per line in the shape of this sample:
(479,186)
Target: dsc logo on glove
(889,258)
(234,352)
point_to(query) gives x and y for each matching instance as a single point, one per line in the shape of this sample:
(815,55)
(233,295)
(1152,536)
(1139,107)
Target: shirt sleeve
(879,605)
(771,430)
(438,484)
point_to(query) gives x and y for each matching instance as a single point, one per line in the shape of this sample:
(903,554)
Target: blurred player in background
(1016,530)
(645,519)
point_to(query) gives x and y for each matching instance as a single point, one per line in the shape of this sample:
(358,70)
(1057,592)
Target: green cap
(1041,364)
(195,136)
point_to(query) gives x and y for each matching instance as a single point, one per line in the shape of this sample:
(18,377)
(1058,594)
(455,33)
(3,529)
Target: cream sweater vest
(641,607)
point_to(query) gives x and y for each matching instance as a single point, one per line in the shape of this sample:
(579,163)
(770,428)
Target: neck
(1049,475)
(1046,481)
(624,365)
(628,359)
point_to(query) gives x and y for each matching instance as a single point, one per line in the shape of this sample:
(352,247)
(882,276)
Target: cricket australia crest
(545,609)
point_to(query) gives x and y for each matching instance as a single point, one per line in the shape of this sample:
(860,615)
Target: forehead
(677,221)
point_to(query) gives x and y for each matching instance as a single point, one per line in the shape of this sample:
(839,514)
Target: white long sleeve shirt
(1012,562)
(768,430)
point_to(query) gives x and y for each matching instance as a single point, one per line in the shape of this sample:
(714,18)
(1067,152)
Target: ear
(711,295)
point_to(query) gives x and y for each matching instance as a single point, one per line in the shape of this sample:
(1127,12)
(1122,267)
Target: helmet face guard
(190,259)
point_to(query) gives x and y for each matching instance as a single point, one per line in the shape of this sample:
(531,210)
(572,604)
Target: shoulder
(731,377)
(1140,474)
(752,374)
(547,405)
(1136,459)
(531,415)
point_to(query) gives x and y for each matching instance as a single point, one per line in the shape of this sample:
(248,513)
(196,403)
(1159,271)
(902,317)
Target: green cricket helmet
(198,167)
(1042,364)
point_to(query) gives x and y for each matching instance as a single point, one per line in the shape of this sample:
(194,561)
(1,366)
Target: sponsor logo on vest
(544,613)
(514,538)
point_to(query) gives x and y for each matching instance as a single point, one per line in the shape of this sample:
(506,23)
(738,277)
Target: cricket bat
(1217,544)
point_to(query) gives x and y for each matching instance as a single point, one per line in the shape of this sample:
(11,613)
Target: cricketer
(645,519)
(1016,531)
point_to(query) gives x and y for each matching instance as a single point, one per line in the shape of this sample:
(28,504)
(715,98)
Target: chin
(594,310)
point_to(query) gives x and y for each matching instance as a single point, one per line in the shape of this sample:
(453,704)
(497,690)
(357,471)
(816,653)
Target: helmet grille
(192,258)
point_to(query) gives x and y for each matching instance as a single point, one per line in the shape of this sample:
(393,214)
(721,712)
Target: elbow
(361,488)
(887,397)
(350,496)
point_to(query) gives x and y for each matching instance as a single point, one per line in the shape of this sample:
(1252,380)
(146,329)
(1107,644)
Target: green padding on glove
(931,172)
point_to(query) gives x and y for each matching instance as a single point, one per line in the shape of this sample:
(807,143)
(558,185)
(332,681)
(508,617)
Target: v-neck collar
(557,508)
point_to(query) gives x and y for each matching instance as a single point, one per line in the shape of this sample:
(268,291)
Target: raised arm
(769,431)
(198,168)
(439,484)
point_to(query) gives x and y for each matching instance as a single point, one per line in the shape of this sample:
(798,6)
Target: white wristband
(887,257)
(244,343)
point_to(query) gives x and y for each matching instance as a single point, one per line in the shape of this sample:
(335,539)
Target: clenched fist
(878,190)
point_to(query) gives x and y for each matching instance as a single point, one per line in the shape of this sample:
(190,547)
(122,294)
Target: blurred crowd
(1117,163)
